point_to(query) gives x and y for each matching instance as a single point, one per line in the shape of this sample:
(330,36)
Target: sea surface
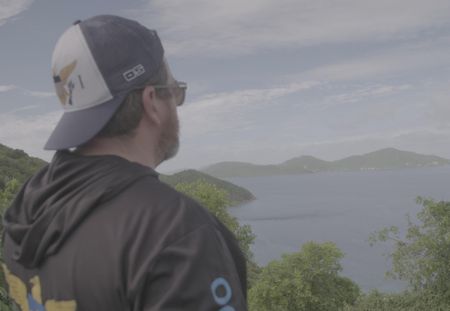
(342,207)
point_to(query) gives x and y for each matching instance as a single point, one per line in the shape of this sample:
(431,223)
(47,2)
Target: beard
(169,141)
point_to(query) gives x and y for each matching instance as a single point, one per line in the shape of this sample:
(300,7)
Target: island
(384,159)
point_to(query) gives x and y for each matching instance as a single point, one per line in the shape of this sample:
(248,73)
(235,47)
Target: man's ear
(149,104)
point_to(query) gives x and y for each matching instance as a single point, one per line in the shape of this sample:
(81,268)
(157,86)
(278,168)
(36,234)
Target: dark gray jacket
(103,233)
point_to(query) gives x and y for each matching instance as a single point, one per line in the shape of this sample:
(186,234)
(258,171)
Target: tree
(404,301)
(422,257)
(6,197)
(306,280)
(15,163)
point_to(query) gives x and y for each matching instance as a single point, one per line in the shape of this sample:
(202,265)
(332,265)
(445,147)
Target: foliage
(235,195)
(306,280)
(6,197)
(215,200)
(423,257)
(15,163)
(405,301)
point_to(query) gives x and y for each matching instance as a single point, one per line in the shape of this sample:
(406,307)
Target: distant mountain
(389,158)
(236,195)
(15,163)
(306,163)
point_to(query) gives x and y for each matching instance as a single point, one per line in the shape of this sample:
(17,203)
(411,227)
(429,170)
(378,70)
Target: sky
(267,80)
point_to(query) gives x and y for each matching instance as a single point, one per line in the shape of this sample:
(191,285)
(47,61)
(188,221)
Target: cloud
(28,133)
(369,92)
(213,27)
(439,108)
(12,8)
(252,96)
(231,111)
(401,59)
(7,88)
(38,94)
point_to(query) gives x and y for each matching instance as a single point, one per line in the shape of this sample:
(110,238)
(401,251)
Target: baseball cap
(95,64)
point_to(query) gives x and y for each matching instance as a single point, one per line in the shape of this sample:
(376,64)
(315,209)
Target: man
(95,229)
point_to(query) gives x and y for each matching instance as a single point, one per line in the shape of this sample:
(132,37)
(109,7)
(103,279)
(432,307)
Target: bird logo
(63,85)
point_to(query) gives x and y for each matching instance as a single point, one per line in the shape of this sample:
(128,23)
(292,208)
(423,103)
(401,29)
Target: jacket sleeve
(196,272)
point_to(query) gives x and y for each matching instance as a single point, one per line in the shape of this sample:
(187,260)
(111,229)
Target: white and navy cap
(95,64)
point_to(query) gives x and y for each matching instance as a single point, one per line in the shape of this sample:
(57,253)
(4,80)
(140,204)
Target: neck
(124,147)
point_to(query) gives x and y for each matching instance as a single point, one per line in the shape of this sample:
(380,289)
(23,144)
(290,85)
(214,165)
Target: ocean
(342,207)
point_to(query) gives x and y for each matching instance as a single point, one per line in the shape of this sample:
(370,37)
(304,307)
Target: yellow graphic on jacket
(61,82)
(33,301)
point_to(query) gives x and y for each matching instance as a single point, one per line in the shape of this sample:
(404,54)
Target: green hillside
(236,195)
(15,163)
(388,158)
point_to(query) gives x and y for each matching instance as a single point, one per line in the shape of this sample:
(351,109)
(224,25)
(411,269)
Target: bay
(342,207)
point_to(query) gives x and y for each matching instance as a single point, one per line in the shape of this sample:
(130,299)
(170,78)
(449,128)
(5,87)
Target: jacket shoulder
(153,206)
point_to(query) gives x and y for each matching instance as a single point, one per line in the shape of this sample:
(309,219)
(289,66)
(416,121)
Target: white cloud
(28,133)
(7,88)
(214,27)
(11,8)
(439,108)
(230,111)
(252,96)
(38,94)
(369,92)
(415,58)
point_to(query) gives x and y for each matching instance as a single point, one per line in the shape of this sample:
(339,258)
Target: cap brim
(77,127)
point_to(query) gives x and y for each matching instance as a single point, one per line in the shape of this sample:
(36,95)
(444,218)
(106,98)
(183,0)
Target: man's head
(104,69)
(125,121)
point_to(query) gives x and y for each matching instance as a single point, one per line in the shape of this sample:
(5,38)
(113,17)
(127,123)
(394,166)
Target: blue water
(342,207)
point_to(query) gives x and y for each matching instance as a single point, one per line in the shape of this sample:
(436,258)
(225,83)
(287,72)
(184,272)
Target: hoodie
(103,233)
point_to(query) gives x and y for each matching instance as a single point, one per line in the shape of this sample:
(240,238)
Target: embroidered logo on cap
(134,72)
(63,85)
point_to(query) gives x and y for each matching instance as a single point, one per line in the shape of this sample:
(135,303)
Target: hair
(127,117)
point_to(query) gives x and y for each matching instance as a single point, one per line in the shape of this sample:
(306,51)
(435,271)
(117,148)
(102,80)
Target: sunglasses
(178,89)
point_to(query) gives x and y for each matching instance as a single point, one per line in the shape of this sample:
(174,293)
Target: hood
(51,204)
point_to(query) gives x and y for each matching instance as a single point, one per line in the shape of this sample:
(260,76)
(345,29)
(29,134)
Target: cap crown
(95,64)
(102,57)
